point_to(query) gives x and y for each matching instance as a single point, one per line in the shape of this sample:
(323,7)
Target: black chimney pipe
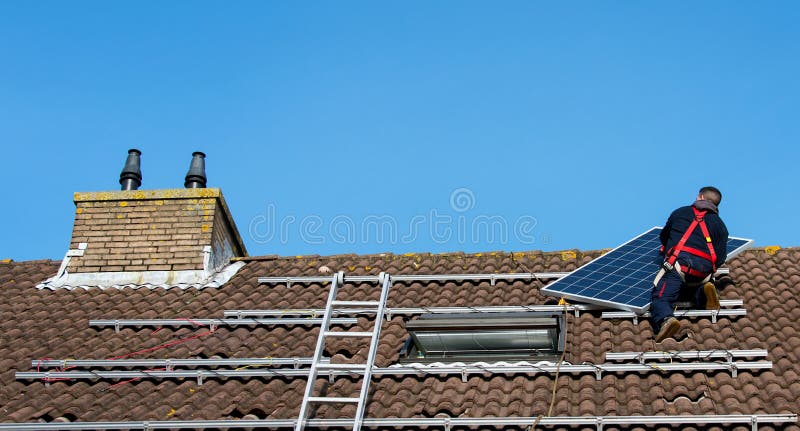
(131,176)
(196,177)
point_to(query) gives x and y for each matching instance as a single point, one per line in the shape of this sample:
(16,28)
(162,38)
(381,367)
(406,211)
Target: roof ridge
(771,250)
(29,262)
(423,254)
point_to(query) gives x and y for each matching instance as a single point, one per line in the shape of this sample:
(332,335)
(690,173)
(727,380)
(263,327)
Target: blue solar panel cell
(623,277)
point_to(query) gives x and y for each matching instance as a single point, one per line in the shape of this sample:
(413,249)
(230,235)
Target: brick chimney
(167,238)
(157,237)
(153,230)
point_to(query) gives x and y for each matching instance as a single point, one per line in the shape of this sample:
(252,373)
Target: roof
(43,323)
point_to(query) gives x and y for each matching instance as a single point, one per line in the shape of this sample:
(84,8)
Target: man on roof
(694,243)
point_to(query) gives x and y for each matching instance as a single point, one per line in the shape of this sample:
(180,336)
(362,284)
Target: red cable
(134,379)
(150,349)
(159,347)
(163,346)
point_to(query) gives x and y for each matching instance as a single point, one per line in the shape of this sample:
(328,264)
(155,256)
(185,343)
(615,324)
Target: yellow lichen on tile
(566,255)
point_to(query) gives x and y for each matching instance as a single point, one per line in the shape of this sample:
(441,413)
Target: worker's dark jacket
(680,220)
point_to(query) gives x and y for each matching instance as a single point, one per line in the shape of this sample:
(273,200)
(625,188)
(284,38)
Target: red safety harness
(711,255)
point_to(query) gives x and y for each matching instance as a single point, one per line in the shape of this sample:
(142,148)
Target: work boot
(669,328)
(712,297)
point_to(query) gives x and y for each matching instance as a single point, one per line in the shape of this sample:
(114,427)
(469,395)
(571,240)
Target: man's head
(711,194)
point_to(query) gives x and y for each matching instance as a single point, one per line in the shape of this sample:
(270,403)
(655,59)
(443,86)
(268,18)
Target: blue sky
(565,125)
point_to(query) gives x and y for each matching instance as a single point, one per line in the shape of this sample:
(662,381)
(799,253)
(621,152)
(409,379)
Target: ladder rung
(342,366)
(333,400)
(356,303)
(347,334)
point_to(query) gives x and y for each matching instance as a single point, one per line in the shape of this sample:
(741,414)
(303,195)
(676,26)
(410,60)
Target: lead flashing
(186,279)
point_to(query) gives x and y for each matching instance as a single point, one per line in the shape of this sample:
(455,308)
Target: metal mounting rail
(577,308)
(723,303)
(119,323)
(320,279)
(431,277)
(170,364)
(686,354)
(713,314)
(463,370)
(408,310)
(597,421)
(417,277)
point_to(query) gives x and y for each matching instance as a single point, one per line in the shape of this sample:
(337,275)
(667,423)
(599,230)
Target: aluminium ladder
(317,363)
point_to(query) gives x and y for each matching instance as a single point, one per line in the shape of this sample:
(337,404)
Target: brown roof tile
(42,323)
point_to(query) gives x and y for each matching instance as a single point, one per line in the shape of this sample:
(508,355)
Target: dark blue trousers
(671,287)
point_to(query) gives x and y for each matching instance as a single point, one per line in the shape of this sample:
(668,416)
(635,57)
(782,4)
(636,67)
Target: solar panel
(623,277)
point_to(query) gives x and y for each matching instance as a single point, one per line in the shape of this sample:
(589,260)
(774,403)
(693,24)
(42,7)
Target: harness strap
(699,219)
(694,273)
(682,243)
(671,262)
(710,245)
(683,272)
(700,253)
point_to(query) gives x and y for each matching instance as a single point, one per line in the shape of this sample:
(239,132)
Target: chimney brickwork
(153,230)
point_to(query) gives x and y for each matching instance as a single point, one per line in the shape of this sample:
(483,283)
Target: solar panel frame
(640,274)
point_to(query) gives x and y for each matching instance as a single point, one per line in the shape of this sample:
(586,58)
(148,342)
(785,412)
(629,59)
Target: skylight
(479,336)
